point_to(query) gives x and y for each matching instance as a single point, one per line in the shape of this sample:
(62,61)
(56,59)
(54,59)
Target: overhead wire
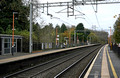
(95,13)
(88,19)
(62,16)
(60,19)
(78,10)
(85,19)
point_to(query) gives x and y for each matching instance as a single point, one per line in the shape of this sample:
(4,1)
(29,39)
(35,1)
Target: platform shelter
(6,44)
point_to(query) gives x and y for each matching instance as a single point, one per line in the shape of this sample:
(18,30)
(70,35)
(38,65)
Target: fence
(116,49)
(36,46)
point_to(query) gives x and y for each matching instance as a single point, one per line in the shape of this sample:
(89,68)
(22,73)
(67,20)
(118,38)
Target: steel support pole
(75,37)
(110,40)
(31,17)
(13,37)
(13,32)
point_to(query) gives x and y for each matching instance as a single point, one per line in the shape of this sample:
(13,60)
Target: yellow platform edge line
(112,67)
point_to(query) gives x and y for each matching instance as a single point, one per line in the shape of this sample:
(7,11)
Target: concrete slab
(112,59)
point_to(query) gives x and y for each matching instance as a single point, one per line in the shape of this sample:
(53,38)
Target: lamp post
(31,26)
(13,34)
(56,32)
(74,37)
(56,37)
(110,39)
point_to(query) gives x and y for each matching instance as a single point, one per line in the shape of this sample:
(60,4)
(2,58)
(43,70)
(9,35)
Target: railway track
(70,71)
(53,67)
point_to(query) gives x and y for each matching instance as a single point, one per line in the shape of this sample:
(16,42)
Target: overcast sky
(105,15)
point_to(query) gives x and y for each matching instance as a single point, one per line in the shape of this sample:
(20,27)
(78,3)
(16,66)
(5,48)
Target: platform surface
(105,65)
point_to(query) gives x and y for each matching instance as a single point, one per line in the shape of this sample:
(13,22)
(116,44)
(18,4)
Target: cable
(86,16)
(84,19)
(72,21)
(97,20)
(89,20)
(63,16)
(78,10)
(95,14)
(60,20)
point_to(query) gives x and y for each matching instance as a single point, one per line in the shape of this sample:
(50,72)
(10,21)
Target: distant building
(6,44)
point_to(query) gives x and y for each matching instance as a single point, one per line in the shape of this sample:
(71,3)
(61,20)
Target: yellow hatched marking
(104,68)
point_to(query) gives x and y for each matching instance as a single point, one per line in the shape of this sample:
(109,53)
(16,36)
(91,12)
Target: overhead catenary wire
(72,21)
(60,19)
(62,16)
(82,14)
(79,12)
(87,22)
(86,19)
(97,20)
(89,19)
(95,13)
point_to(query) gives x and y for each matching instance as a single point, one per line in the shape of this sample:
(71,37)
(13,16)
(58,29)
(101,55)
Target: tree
(93,37)
(58,28)
(80,27)
(63,28)
(47,34)
(80,31)
(7,7)
(116,34)
(37,31)
(1,30)
(87,32)
(98,37)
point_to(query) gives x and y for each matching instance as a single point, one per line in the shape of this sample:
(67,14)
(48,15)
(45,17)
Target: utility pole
(56,37)
(69,37)
(31,22)
(110,39)
(13,34)
(90,40)
(75,37)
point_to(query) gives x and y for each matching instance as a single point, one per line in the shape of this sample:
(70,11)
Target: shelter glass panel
(7,50)
(6,40)
(6,45)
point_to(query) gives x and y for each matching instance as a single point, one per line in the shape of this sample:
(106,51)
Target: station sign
(57,38)
(57,35)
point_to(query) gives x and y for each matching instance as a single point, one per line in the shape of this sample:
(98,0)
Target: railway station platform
(21,56)
(105,65)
